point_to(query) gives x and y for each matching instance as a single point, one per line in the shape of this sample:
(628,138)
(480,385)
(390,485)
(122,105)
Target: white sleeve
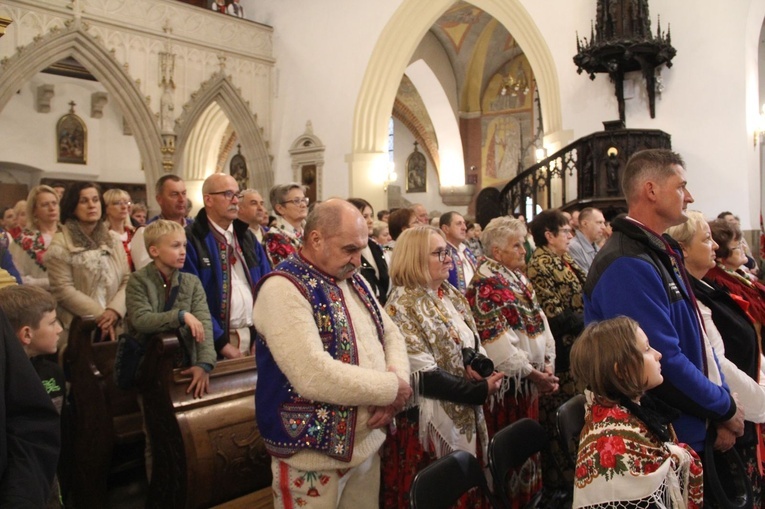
(138,252)
(284,318)
(751,395)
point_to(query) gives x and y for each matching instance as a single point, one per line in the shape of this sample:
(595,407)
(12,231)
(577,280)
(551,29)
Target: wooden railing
(578,175)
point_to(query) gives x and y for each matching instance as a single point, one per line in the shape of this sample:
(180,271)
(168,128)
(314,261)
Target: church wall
(134,33)
(30,137)
(323,49)
(703,105)
(403,146)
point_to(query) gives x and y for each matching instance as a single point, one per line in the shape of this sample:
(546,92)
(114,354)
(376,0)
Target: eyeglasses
(120,203)
(229,195)
(442,255)
(565,231)
(297,201)
(735,248)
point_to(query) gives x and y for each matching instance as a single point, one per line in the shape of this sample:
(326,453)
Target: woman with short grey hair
(515,333)
(286,236)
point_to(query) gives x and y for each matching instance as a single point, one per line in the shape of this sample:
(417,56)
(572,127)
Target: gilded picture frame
(416,172)
(71,139)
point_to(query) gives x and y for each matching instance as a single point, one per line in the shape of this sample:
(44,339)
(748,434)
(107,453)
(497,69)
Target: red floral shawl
(622,464)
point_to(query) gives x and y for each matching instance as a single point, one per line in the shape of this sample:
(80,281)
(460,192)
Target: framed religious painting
(416,172)
(71,138)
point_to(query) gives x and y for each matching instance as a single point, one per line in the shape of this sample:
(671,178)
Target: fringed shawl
(435,336)
(511,324)
(622,464)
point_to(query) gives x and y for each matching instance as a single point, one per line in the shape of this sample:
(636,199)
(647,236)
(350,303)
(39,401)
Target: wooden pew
(205,451)
(106,421)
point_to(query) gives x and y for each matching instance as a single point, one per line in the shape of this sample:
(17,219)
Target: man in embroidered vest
(226,256)
(583,246)
(333,368)
(640,274)
(463,261)
(171,198)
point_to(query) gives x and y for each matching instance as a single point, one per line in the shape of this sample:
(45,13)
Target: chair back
(511,447)
(570,420)
(443,482)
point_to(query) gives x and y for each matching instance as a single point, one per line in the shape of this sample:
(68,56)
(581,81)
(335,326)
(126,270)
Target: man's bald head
(335,234)
(331,217)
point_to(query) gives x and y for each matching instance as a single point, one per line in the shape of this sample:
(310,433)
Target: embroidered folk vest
(287,421)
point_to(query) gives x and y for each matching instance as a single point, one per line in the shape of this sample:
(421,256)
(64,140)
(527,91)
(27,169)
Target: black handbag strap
(173,294)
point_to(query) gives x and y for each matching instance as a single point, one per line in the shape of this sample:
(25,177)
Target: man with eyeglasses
(640,274)
(463,260)
(584,245)
(171,198)
(226,256)
(333,368)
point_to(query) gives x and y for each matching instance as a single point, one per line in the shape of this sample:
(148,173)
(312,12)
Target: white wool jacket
(285,319)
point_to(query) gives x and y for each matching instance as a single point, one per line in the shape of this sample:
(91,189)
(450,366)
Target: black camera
(478,361)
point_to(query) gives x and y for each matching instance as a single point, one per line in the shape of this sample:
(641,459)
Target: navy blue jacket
(634,276)
(203,260)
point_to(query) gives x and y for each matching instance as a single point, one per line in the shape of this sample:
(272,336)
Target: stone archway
(390,57)
(75,42)
(219,89)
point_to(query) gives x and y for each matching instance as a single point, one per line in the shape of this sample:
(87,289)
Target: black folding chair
(443,482)
(570,420)
(510,448)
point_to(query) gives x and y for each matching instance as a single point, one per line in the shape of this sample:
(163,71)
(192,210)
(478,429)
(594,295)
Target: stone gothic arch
(219,89)
(74,41)
(392,54)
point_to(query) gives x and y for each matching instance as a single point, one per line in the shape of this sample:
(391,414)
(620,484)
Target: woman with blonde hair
(732,334)
(451,377)
(20,210)
(30,245)
(117,218)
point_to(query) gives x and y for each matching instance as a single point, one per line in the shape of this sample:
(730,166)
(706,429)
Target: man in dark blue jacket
(226,256)
(639,274)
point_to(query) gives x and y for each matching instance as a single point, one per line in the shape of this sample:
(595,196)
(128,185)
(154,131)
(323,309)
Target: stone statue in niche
(612,172)
(238,169)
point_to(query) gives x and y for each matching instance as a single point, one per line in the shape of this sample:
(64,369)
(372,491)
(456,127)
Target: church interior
(396,101)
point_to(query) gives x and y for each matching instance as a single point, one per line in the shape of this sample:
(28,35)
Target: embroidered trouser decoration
(356,487)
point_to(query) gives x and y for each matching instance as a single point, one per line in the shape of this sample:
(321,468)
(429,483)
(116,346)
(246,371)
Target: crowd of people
(384,342)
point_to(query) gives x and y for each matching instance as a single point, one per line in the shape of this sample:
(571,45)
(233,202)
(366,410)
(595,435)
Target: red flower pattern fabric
(618,456)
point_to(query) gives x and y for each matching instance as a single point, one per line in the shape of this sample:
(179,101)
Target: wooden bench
(105,420)
(205,451)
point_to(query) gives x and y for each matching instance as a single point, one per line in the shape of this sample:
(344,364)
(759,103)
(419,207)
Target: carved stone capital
(126,129)
(44,95)
(457,195)
(97,102)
